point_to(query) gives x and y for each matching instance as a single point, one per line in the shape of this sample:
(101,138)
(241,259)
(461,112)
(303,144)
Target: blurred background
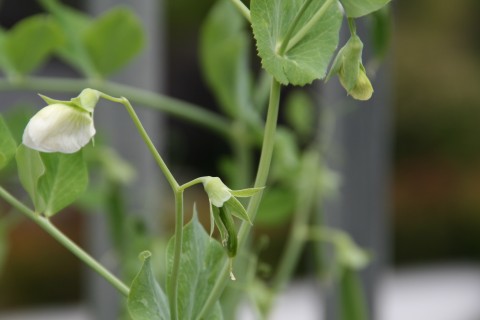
(432,222)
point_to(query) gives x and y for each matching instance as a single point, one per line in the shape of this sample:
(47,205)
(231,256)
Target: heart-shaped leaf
(113,40)
(296,39)
(359,8)
(146,300)
(30,42)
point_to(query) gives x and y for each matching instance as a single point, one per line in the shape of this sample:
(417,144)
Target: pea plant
(203,272)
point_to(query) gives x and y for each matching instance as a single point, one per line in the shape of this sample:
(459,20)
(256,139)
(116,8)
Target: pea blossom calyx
(62,126)
(224,204)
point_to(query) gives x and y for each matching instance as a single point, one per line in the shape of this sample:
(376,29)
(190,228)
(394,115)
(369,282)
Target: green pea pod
(232,240)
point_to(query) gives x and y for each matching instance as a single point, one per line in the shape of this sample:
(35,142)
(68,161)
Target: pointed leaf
(8,146)
(237,209)
(200,263)
(73,24)
(30,42)
(146,300)
(113,40)
(359,8)
(30,169)
(244,193)
(224,49)
(306,60)
(65,179)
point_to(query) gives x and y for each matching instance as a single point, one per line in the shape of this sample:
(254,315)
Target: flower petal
(59,128)
(217,191)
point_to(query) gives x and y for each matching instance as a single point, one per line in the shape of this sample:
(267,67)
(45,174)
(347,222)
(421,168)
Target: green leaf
(237,209)
(277,206)
(65,179)
(300,113)
(73,24)
(30,42)
(245,193)
(8,146)
(146,300)
(113,40)
(224,49)
(314,25)
(200,264)
(30,170)
(359,8)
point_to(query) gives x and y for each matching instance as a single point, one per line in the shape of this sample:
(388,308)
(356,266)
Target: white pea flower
(62,126)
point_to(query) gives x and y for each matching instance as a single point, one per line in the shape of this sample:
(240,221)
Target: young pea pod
(231,239)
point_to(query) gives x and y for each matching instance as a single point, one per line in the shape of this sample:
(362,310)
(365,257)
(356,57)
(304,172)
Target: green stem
(143,133)
(292,27)
(46,225)
(173,294)
(260,181)
(243,9)
(309,25)
(174,107)
(352,26)
(191,183)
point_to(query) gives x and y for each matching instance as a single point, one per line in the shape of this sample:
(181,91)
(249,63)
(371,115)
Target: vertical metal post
(359,152)
(144,72)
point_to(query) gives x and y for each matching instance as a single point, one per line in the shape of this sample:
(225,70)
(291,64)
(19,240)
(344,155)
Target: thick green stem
(46,225)
(243,9)
(173,294)
(309,25)
(174,107)
(260,181)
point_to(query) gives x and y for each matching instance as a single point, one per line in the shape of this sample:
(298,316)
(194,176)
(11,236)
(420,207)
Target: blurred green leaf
(8,146)
(300,113)
(73,24)
(29,43)
(65,179)
(359,8)
(285,156)
(224,49)
(146,300)
(352,300)
(200,264)
(113,40)
(277,206)
(30,170)
(307,59)
(381,21)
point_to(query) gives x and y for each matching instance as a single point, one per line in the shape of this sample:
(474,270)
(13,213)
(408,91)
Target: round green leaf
(113,40)
(30,42)
(309,31)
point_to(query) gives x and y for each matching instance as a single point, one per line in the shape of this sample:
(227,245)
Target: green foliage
(146,300)
(53,180)
(200,263)
(113,40)
(73,24)
(300,113)
(224,48)
(30,169)
(65,179)
(29,43)
(316,25)
(359,8)
(8,146)
(277,206)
